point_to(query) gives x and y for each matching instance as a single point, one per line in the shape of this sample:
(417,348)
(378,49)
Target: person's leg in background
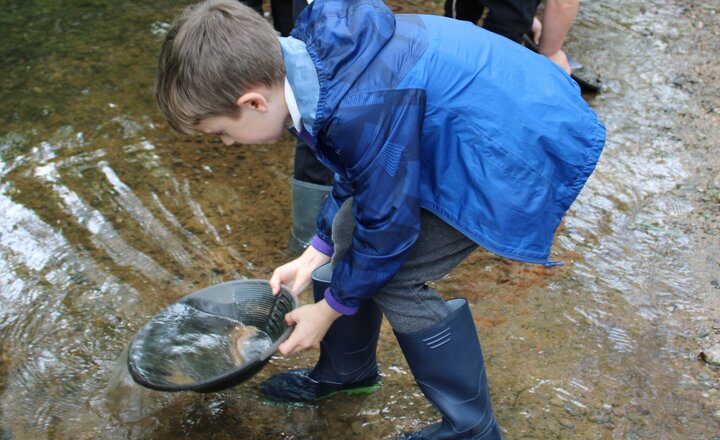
(310,183)
(509,18)
(514,19)
(281,11)
(255,4)
(283,16)
(466,10)
(298,7)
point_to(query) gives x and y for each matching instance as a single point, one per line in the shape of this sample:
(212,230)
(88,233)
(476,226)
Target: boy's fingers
(288,347)
(291,347)
(275,283)
(283,348)
(290,319)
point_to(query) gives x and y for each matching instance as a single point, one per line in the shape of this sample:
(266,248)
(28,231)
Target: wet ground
(108,217)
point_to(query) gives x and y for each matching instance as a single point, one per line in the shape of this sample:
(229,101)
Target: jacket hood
(342,38)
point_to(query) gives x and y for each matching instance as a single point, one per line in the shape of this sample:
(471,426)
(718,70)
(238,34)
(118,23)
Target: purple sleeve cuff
(335,305)
(319,244)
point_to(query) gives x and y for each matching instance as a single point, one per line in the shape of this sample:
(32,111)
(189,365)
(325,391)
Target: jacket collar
(302,83)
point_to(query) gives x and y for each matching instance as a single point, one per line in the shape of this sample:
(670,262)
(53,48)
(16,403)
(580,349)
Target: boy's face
(261,121)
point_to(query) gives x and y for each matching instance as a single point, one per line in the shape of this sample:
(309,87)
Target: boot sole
(348,392)
(352,391)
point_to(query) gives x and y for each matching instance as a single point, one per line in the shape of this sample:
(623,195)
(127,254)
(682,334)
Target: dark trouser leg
(282,15)
(298,6)
(308,168)
(466,10)
(510,18)
(255,4)
(407,301)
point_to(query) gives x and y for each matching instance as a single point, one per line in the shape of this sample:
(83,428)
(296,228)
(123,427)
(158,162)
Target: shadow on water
(108,217)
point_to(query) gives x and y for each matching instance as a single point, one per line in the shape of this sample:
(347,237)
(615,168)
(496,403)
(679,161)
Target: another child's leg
(466,10)
(510,18)
(310,184)
(282,15)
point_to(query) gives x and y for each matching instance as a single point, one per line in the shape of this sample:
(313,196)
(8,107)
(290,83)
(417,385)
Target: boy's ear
(254,100)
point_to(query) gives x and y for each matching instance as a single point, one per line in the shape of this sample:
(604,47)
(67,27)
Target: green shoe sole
(351,391)
(348,392)
(295,386)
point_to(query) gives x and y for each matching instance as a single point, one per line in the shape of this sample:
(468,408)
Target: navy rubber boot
(347,361)
(447,363)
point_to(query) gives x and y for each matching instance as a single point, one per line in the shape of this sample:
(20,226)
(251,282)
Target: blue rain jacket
(415,111)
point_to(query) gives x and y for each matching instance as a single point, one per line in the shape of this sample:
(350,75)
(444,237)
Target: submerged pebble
(599,418)
(567,424)
(711,355)
(557,402)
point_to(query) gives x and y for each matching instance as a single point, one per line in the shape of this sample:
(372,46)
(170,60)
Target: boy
(442,137)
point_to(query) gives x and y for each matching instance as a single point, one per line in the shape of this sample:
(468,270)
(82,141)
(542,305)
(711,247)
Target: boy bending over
(442,137)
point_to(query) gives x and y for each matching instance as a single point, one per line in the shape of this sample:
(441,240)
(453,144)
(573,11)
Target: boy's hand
(297,274)
(311,323)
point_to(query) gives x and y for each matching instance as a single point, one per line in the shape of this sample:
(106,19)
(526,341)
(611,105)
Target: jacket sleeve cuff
(319,244)
(337,306)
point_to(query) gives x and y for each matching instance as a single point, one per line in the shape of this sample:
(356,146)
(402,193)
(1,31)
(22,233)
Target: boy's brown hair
(215,51)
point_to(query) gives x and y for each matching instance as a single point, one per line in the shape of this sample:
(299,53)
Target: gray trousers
(407,301)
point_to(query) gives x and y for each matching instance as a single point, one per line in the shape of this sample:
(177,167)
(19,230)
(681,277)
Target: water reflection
(108,217)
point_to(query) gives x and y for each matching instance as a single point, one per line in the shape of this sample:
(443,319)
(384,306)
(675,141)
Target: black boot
(347,361)
(448,366)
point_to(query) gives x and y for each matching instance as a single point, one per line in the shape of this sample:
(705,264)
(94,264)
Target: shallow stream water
(108,217)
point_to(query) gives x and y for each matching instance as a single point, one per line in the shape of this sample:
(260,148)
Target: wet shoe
(584,76)
(298,386)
